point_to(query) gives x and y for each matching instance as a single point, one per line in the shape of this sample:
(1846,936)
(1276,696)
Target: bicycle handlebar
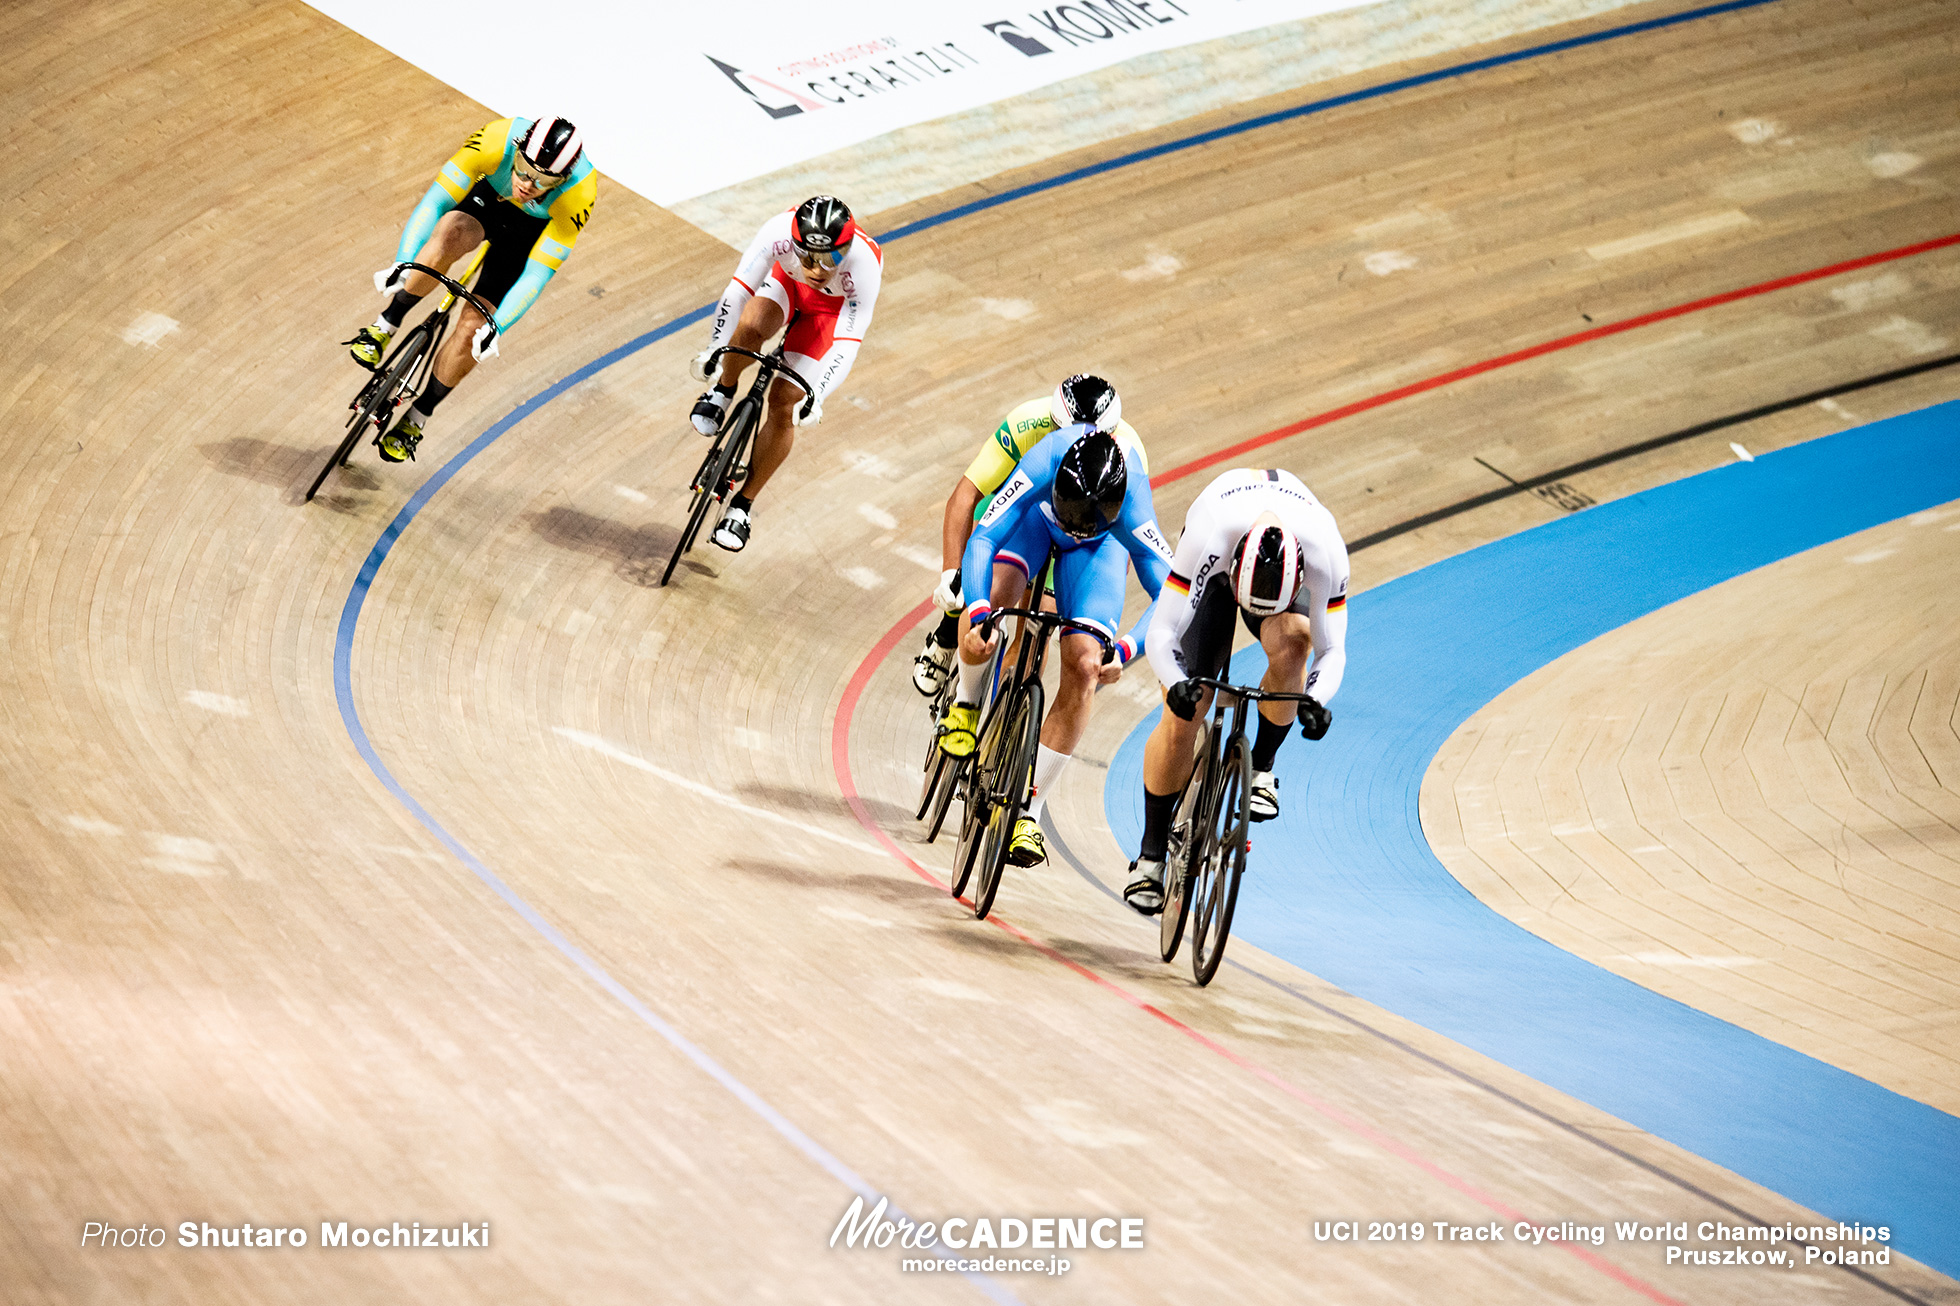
(1068,624)
(457,288)
(775,361)
(1250,693)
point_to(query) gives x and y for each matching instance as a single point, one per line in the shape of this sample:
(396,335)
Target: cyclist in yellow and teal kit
(1080,398)
(525,186)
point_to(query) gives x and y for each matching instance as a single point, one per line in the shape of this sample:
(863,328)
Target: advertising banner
(681,99)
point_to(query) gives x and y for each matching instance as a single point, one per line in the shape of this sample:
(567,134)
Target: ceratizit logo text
(843,76)
(1083,23)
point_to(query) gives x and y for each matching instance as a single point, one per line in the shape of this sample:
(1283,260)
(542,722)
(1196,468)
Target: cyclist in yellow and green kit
(1081,398)
(524,185)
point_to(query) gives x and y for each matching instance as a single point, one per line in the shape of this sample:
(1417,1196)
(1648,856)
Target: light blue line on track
(1345,885)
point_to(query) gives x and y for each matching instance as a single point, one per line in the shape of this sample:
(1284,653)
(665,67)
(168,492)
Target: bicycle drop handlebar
(1067,624)
(457,288)
(773,361)
(1251,694)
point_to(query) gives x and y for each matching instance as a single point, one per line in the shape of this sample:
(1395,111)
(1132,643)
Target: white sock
(1048,765)
(973,678)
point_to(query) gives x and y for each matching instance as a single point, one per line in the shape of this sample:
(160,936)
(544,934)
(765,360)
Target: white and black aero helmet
(1090,484)
(552,146)
(824,227)
(1085,398)
(1267,567)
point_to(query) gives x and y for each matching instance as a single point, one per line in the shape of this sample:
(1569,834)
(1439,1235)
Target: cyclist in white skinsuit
(1256,544)
(810,266)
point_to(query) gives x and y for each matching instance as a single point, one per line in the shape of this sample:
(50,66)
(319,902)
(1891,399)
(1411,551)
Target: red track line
(1548,347)
(840,735)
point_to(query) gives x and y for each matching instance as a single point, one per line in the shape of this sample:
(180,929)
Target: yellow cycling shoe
(398,446)
(368,345)
(1027,847)
(959,729)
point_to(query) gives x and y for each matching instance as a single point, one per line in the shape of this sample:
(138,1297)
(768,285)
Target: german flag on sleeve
(1336,603)
(1178,583)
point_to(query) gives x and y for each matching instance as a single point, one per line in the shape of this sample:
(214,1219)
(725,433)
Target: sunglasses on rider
(535,178)
(817,258)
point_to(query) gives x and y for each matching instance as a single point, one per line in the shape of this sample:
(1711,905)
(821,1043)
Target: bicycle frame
(1206,864)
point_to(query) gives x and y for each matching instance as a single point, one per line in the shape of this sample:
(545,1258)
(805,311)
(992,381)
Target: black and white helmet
(824,228)
(1268,567)
(1090,483)
(1088,399)
(552,146)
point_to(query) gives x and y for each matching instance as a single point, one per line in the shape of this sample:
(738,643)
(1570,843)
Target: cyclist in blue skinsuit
(1073,492)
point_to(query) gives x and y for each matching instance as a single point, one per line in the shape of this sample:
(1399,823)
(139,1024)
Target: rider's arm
(569,213)
(749,274)
(1003,515)
(853,322)
(1149,551)
(1196,559)
(480,156)
(1327,584)
(958,525)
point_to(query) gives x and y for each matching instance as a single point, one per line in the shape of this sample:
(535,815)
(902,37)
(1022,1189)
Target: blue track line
(1312,107)
(357,596)
(1345,885)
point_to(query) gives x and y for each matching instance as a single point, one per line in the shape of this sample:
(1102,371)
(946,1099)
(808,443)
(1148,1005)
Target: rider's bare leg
(773,440)
(761,319)
(1010,584)
(1288,640)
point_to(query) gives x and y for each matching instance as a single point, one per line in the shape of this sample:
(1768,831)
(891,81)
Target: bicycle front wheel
(708,485)
(377,402)
(1215,886)
(1181,857)
(1012,778)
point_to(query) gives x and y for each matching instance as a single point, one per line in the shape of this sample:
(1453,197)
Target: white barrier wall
(680,100)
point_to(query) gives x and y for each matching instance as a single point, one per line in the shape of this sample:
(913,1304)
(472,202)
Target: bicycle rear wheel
(1215,887)
(949,786)
(708,481)
(1011,778)
(1179,858)
(377,402)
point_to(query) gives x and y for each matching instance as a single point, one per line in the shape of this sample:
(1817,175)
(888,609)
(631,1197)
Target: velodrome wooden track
(242,979)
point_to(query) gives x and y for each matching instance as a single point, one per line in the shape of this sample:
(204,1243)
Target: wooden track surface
(1749,801)
(243,982)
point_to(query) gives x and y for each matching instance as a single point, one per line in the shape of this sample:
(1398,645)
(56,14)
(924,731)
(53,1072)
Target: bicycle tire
(377,400)
(1178,861)
(948,789)
(1216,894)
(1012,779)
(935,771)
(706,481)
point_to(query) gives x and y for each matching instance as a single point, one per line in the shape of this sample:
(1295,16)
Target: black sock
(739,500)
(1158,809)
(947,633)
(398,307)
(432,394)
(725,391)
(1266,746)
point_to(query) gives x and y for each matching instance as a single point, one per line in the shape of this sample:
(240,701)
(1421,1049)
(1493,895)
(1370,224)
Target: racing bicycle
(727,460)
(1001,771)
(1211,833)
(406,370)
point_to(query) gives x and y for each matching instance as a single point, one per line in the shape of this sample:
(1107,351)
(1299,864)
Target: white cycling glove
(814,416)
(697,367)
(484,343)
(389,279)
(945,596)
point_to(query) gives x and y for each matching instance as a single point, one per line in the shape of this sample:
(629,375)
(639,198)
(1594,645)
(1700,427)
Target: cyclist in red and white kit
(814,268)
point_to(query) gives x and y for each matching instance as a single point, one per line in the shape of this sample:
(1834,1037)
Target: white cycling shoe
(1262,803)
(932,668)
(733,532)
(1145,891)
